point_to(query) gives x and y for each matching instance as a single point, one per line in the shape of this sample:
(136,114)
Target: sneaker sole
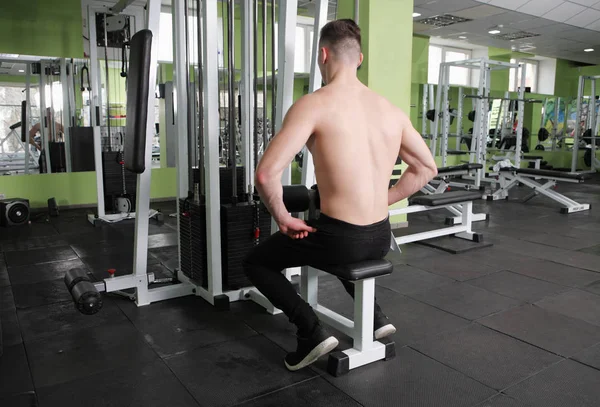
(384,331)
(321,349)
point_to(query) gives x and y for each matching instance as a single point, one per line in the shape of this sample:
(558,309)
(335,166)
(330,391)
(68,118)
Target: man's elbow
(263,176)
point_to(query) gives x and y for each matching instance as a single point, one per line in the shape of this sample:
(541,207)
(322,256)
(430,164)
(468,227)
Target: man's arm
(298,125)
(421,165)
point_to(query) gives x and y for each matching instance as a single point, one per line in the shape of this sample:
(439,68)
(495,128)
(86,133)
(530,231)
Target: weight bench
(509,177)
(462,199)
(441,183)
(365,350)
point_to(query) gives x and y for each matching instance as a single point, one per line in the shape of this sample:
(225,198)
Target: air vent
(443,20)
(516,36)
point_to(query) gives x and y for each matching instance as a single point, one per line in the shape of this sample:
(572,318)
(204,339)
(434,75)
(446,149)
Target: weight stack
(225,182)
(237,239)
(113,181)
(192,231)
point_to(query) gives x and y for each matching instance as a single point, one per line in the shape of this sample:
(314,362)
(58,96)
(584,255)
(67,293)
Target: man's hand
(295,228)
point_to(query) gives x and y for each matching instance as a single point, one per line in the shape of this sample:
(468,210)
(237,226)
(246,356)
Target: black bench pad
(362,270)
(532,157)
(549,173)
(446,198)
(462,167)
(457,152)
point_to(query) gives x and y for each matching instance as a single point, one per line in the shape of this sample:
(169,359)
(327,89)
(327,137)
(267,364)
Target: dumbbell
(85,295)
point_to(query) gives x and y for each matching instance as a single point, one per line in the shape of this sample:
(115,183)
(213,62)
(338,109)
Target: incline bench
(509,177)
(442,180)
(365,350)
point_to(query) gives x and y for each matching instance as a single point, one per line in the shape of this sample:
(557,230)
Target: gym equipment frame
(592,123)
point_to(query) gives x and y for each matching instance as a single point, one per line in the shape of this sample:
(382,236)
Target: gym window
(439,54)
(531,75)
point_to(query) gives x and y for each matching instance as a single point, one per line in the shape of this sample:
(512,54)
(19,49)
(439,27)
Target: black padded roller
(87,299)
(134,147)
(74,276)
(296,198)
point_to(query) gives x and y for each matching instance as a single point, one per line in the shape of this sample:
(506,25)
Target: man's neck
(342,75)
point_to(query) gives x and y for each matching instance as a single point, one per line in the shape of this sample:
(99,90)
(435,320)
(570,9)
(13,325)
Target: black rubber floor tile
(495,257)
(35,273)
(36,256)
(48,321)
(593,287)
(415,251)
(138,385)
(27,399)
(40,293)
(546,329)
(15,377)
(455,245)
(122,263)
(567,383)
(592,250)
(127,228)
(75,355)
(28,231)
(32,243)
(517,286)
(11,331)
(407,279)
(415,320)
(410,380)
(184,324)
(169,256)
(564,242)
(589,356)
(580,260)
(466,301)
(233,372)
(481,354)
(503,401)
(94,249)
(4,280)
(554,272)
(7,299)
(530,249)
(576,304)
(456,268)
(162,240)
(73,224)
(315,392)
(95,234)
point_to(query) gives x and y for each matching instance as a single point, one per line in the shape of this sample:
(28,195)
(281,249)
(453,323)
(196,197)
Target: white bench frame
(509,179)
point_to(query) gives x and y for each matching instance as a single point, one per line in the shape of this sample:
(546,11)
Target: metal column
(211,143)
(593,122)
(577,124)
(66,111)
(459,118)
(424,111)
(308,171)
(27,122)
(140,254)
(520,117)
(247,99)
(44,118)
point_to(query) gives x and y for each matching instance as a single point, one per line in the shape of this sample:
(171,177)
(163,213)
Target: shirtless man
(355,137)
(58,128)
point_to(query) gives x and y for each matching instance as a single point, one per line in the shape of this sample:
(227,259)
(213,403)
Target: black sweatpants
(334,243)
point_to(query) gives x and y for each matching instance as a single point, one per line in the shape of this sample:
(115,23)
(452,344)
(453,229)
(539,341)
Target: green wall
(41,27)
(420,59)
(76,188)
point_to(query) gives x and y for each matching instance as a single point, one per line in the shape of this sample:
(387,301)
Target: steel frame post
(180,100)
(445,122)
(247,128)
(27,122)
(577,137)
(43,117)
(66,111)
(520,117)
(211,143)
(593,123)
(459,118)
(438,104)
(424,111)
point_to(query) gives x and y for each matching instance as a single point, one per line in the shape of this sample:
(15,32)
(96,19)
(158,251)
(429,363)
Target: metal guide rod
(438,101)
(264,73)
(255,79)
(200,97)
(211,131)
(577,124)
(44,118)
(520,117)
(247,101)
(459,117)
(593,117)
(95,99)
(424,111)
(231,99)
(110,139)
(27,123)
(273,71)
(180,101)
(66,111)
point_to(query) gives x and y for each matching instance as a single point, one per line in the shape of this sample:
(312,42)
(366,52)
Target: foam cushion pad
(362,270)
(446,198)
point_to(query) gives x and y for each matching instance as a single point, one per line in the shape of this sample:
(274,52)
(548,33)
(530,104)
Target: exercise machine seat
(361,270)
(447,198)
(462,167)
(549,173)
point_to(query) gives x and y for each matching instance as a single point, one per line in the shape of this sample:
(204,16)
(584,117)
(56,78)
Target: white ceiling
(565,28)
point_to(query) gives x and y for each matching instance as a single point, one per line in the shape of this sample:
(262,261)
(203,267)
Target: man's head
(339,45)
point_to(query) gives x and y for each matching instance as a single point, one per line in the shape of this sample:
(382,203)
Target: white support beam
(66,111)
(180,97)
(246,88)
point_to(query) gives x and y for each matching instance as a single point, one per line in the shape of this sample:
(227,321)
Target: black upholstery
(533,157)
(549,174)
(24,120)
(456,152)
(138,80)
(446,198)
(361,271)
(296,198)
(462,167)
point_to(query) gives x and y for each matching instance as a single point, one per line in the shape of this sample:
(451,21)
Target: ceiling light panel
(443,20)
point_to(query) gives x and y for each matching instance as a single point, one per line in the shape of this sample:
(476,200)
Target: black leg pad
(338,364)
(222,302)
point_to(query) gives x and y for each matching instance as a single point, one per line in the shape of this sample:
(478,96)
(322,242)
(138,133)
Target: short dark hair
(342,36)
